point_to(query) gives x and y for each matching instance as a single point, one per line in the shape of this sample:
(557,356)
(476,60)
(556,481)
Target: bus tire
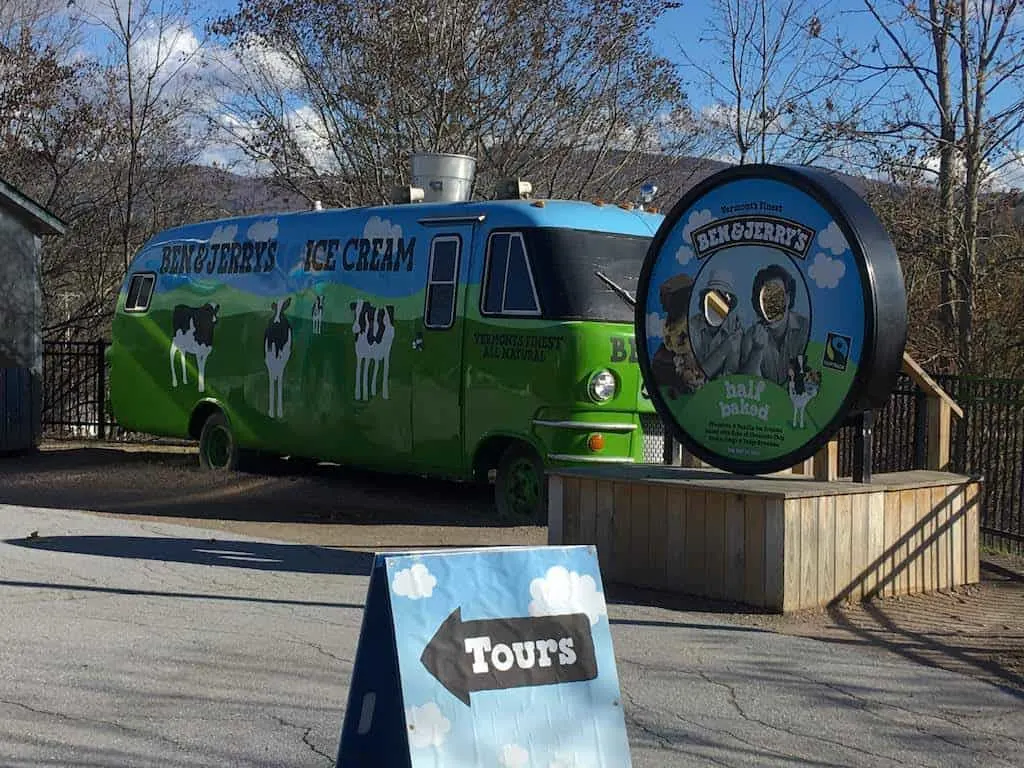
(520,487)
(218,447)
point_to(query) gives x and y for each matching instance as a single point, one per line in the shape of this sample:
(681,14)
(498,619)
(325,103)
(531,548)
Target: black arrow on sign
(497,654)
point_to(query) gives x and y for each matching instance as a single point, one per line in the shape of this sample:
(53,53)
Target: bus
(437,336)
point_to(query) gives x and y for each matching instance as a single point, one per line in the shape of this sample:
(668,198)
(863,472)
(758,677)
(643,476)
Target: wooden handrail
(928,384)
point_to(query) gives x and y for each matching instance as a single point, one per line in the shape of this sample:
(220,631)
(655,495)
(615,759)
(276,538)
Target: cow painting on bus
(192,334)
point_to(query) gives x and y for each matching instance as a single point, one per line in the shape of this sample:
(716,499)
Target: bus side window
(442,278)
(140,291)
(509,289)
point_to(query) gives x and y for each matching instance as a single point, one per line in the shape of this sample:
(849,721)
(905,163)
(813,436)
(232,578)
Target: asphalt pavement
(136,643)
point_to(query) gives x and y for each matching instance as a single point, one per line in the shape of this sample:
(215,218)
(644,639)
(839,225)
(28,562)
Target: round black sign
(770,308)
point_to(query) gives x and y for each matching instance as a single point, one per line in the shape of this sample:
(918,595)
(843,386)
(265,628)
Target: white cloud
(697,219)
(562,591)
(426,725)
(1009,174)
(684,254)
(382,228)
(513,756)
(415,582)
(263,230)
(826,271)
(225,233)
(831,239)
(655,326)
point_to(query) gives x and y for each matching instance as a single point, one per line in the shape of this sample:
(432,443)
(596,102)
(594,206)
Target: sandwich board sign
(485,657)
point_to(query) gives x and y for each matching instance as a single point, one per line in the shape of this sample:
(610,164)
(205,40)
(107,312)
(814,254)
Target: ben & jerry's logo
(790,236)
(223,253)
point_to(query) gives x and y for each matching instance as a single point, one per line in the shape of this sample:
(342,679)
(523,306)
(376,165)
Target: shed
(23,224)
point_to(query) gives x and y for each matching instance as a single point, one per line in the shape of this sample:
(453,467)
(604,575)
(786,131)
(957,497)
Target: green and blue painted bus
(464,339)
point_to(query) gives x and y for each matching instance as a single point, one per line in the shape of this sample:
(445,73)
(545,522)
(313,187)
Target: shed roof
(39,220)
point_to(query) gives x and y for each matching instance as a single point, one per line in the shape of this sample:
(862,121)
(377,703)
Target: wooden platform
(782,542)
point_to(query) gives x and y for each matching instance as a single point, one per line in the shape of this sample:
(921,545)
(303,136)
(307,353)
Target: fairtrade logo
(837,351)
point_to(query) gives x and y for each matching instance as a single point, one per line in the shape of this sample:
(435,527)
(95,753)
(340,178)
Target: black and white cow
(318,315)
(803,384)
(277,348)
(374,329)
(192,334)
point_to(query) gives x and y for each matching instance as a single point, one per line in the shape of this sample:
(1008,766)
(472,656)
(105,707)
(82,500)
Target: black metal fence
(75,390)
(988,441)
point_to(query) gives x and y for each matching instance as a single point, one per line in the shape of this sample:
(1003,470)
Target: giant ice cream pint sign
(771,307)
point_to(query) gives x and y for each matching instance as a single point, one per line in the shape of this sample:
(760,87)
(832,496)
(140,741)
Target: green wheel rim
(523,490)
(217,447)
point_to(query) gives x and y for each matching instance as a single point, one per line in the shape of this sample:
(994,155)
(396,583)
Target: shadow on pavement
(90,589)
(225,553)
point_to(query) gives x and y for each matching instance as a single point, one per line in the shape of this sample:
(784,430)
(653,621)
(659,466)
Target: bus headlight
(602,386)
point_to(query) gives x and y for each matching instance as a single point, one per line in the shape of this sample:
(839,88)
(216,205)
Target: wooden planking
(890,541)
(808,552)
(714,545)
(921,507)
(792,549)
(826,549)
(858,545)
(958,562)
(623,519)
(926,512)
(640,531)
(695,553)
(844,542)
(604,513)
(588,511)
(657,551)
(555,511)
(675,539)
(571,510)
(972,500)
(735,546)
(783,554)
(908,528)
(876,543)
(775,554)
(940,503)
(754,540)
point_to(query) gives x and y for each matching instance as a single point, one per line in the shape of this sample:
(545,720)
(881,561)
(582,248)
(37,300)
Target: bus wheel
(218,449)
(520,488)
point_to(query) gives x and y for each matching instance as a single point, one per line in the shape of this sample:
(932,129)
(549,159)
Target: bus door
(437,343)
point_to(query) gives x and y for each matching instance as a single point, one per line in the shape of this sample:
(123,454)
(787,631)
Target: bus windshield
(564,263)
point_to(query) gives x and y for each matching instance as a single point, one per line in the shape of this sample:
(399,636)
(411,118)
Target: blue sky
(687,28)
(681,28)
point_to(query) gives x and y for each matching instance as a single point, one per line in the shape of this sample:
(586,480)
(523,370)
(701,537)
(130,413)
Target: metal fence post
(920,428)
(101,391)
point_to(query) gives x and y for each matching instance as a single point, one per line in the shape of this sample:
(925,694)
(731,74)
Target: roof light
(647,193)
(406,194)
(514,189)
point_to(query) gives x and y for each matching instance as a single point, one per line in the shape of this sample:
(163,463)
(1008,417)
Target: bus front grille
(654,438)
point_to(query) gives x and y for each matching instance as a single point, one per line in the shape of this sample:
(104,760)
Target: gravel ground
(977,630)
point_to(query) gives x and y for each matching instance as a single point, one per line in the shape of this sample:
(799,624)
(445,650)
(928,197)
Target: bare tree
(947,84)
(766,99)
(333,96)
(148,84)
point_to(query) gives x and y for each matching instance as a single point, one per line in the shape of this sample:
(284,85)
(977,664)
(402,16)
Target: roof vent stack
(443,177)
